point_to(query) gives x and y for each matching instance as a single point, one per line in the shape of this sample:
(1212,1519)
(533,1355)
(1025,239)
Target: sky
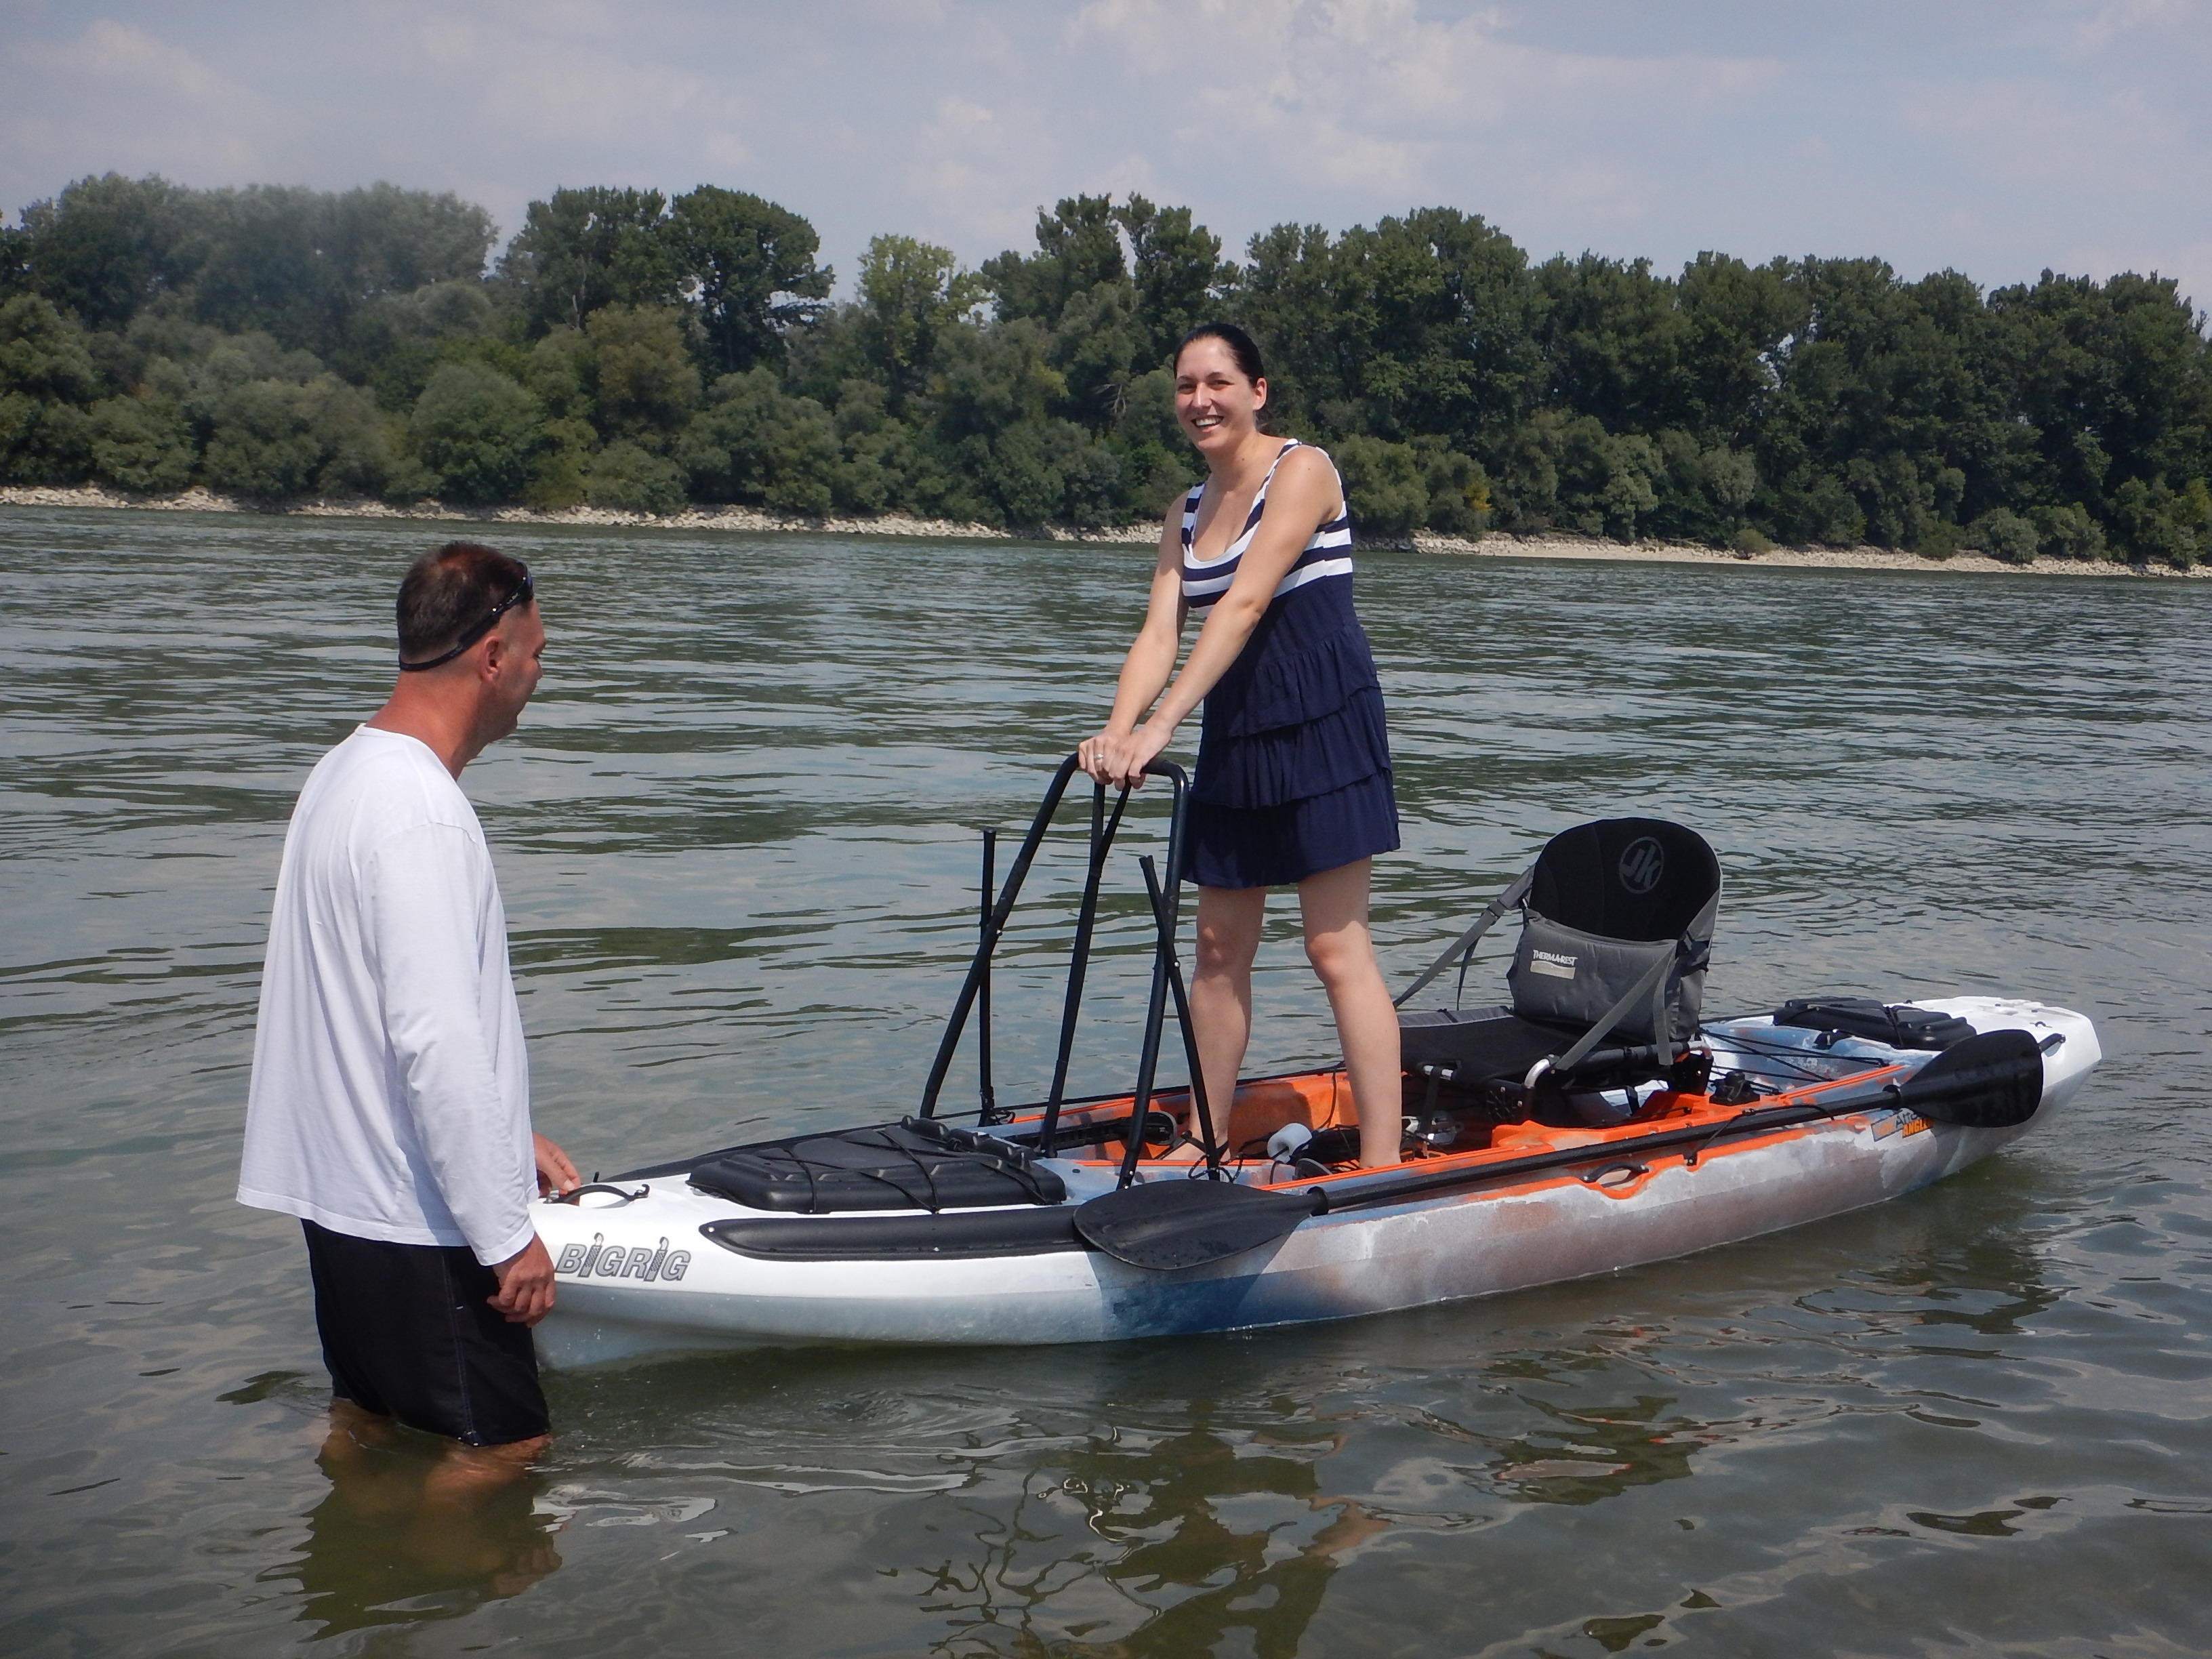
(1997,138)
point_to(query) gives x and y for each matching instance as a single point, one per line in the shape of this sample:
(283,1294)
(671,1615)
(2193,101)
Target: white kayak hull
(1552,1226)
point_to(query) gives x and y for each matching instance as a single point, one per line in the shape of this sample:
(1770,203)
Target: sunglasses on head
(476,629)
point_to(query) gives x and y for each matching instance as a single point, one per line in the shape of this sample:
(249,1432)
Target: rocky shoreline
(755,520)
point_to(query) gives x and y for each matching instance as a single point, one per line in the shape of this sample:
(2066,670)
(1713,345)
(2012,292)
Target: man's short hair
(448,588)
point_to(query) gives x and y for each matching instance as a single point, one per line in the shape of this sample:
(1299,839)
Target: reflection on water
(736,838)
(395,1541)
(1189,1539)
(1594,1454)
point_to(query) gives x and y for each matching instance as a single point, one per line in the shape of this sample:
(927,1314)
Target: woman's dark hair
(1241,346)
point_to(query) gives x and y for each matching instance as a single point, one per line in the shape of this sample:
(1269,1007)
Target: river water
(736,840)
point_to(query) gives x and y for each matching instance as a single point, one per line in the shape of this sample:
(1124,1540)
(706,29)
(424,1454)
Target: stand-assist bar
(1163,918)
(974,987)
(986,1097)
(1102,831)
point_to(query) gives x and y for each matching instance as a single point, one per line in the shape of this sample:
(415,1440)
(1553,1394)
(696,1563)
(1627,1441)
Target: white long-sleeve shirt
(391,1095)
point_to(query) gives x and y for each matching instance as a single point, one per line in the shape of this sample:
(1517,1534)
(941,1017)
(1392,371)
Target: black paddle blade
(1166,1224)
(1993,1081)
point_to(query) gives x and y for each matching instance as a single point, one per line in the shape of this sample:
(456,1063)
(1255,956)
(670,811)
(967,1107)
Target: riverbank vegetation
(641,352)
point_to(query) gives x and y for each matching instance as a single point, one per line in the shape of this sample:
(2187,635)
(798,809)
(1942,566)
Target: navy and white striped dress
(1293,759)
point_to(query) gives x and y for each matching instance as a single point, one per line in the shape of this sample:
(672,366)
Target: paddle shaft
(1751,1122)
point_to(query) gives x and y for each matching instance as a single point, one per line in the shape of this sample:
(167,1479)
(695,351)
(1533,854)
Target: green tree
(753,443)
(141,444)
(2068,533)
(748,266)
(2110,383)
(273,438)
(42,353)
(1111,316)
(643,381)
(1422,325)
(912,295)
(1040,470)
(631,478)
(476,432)
(1566,471)
(1383,485)
(46,377)
(581,249)
(1702,494)
(1096,347)
(394,341)
(560,371)
(1611,333)
(298,264)
(261,444)
(1178,270)
(105,247)
(2152,520)
(1458,488)
(1078,246)
(1882,389)
(2003,534)
(1735,320)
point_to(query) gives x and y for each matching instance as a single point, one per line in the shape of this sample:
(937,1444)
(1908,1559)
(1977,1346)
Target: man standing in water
(389,1106)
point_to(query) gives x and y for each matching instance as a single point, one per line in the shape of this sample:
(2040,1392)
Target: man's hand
(556,1174)
(526,1281)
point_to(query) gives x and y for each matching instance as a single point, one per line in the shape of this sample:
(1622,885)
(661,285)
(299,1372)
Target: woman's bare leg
(1228,920)
(1333,905)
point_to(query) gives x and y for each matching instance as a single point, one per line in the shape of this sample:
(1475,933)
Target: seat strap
(1696,937)
(1464,946)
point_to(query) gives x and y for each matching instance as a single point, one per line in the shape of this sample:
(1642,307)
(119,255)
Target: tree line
(638,351)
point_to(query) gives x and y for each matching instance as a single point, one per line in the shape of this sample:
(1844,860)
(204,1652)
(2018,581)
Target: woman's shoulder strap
(1260,493)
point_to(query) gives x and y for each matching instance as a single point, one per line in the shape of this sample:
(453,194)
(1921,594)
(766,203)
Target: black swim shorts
(407,1333)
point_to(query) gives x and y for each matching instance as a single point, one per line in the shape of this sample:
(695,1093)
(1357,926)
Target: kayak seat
(1476,1044)
(914,1165)
(1606,980)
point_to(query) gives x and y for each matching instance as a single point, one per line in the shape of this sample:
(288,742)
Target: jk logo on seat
(1642,864)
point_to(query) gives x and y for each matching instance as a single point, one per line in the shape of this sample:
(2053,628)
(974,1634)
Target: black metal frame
(1167,971)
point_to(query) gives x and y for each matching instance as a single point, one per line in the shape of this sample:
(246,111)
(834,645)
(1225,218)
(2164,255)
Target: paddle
(1166,1224)
(1993,1081)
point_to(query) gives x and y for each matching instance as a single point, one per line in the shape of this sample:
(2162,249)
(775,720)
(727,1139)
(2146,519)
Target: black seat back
(1606,902)
(1626,879)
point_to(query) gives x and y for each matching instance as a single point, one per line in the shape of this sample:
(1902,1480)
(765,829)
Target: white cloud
(964,125)
(2044,134)
(1369,98)
(97,99)
(113,52)
(2108,23)
(1983,135)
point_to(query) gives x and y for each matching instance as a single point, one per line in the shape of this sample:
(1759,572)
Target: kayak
(1095,1219)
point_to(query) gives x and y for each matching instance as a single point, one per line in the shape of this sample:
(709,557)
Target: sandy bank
(1820,559)
(741,519)
(749,519)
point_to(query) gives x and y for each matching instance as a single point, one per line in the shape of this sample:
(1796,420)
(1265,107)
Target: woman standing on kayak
(1293,778)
